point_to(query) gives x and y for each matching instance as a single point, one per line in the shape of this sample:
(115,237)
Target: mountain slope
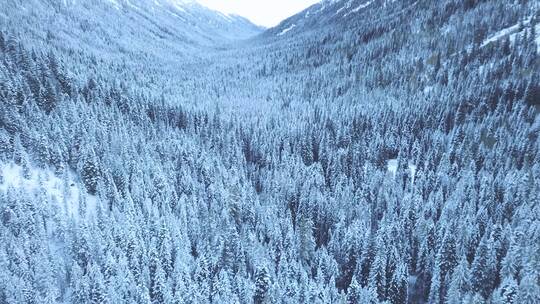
(329,12)
(113,25)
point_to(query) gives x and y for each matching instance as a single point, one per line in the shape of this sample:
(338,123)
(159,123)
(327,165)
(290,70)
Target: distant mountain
(111,25)
(342,12)
(322,13)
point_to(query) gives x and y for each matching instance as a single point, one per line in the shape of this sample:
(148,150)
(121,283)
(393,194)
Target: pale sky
(261,12)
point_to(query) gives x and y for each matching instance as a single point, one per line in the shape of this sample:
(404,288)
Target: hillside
(120,27)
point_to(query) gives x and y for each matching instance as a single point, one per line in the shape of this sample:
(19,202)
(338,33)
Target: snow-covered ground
(64,191)
(356,10)
(512,32)
(392,166)
(115,4)
(285,31)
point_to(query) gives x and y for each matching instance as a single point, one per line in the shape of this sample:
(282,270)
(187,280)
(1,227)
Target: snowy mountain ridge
(183,24)
(329,12)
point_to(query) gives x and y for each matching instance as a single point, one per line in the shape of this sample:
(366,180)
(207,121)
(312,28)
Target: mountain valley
(158,151)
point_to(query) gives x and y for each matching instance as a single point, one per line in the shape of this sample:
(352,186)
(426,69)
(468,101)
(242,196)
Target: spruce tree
(528,290)
(482,275)
(90,172)
(97,288)
(262,285)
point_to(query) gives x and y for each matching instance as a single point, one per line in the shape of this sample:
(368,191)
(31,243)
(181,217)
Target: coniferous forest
(359,152)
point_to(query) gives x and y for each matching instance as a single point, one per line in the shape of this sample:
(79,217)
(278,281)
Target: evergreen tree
(158,290)
(90,172)
(528,291)
(97,289)
(377,275)
(306,239)
(459,283)
(47,97)
(397,289)
(80,288)
(482,275)
(507,293)
(262,285)
(353,293)
(435,290)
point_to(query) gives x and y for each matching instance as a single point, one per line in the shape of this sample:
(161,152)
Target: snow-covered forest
(359,152)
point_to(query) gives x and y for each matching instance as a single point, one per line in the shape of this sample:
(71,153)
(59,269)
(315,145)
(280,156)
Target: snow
(341,9)
(227,17)
(115,4)
(356,10)
(362,6)
(537,40)
(179,7)
(392,166)
(344,7)
(286,30)
(63,191)
(512,33)
(428,89)
(128,2)
(502,33)
(327,3)
(413,168)
(175,15)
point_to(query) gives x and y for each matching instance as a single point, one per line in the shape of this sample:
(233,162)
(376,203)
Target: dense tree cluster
(385,161)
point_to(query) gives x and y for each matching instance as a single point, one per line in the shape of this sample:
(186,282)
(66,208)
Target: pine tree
(18,150)
(307,152)
(397,289)
(98,291)
(231,252)
(532,93)
(43,152)
(202,278)
(2,42)
(90,172)
(446,257)
(6,145)
(377,275)
(80,289)
(528,290)
(44,281)
(262,285)
(459,283)
(482,274)
(476,299)
(222,292)
(158,290)
(508,291)
(306,239)
(445,262)
(47,97)
(353,293)
(435,293)
(25,167)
